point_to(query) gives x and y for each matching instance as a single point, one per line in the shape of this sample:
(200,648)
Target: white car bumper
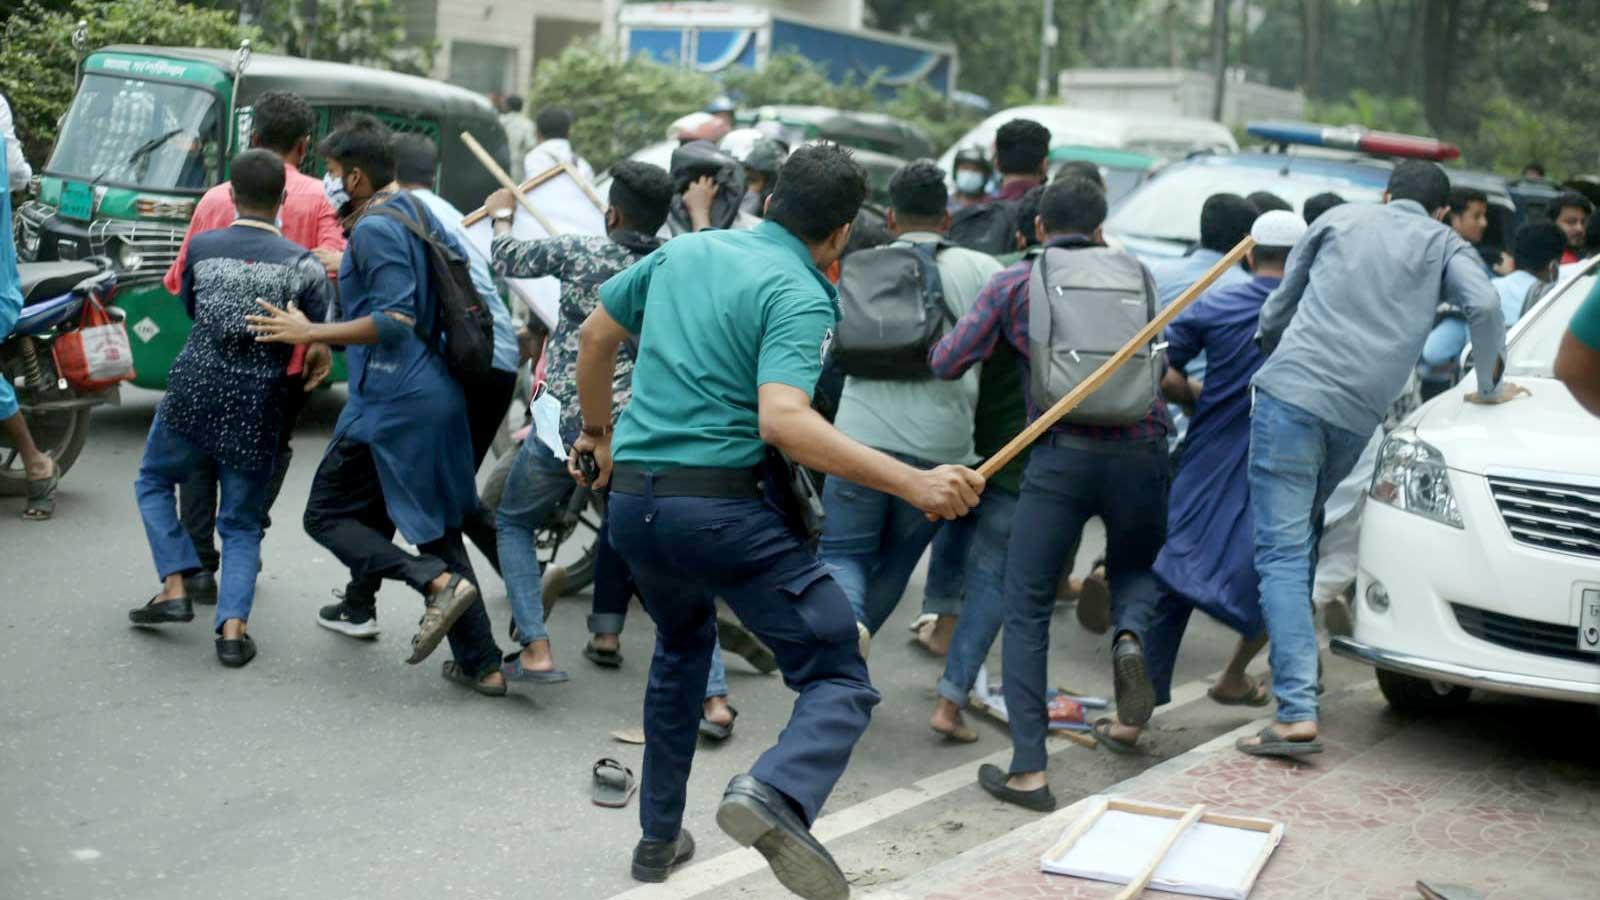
(1471,606)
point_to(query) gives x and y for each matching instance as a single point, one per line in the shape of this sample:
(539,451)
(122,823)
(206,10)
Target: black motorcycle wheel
(59,434)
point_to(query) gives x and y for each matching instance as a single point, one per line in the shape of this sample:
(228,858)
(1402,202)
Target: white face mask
(333,186)
(970,182)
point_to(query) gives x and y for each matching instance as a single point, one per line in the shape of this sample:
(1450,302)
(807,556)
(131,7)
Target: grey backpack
(892,311)
(1083,306)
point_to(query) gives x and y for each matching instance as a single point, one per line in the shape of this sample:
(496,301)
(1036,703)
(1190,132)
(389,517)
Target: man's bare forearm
(809,440)
(597,366)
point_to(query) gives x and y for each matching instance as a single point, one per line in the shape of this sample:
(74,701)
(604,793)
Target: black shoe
(201,588)
(236,653)
(349,619)
(1136,697)
(654,860)
(993,779)
(757,816)
(162,612)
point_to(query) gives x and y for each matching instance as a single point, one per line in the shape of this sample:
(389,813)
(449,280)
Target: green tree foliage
(945,122)
(791,79)
(619,105)
(37,61)
(362,32)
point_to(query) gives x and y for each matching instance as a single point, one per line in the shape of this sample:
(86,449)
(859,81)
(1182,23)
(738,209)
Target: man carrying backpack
(1065,310)
(401,455)
(1021,153)
(895,302)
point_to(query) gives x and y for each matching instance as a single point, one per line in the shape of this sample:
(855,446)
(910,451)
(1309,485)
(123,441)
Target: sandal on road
(1257,694)
(614,784)
(605,659)
(1103,736)
(1271,743)
(439,616)
(513,670)
(453,672)
(712,731)
(42,496)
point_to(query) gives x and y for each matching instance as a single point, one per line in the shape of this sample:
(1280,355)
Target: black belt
(1102,445)
(715,484)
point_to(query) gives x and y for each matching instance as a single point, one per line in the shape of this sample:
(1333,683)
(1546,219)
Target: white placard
(569,208)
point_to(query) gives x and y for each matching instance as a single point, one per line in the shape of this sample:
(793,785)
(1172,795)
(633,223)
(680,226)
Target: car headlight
(129,258)
(1411,475)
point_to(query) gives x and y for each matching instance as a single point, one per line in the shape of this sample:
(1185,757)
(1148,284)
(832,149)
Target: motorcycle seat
(47,280)
(40,317)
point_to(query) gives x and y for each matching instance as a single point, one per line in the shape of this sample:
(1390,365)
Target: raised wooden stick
(1089,385)
(1137,885)
(593,197)
(479,214)
(506,182)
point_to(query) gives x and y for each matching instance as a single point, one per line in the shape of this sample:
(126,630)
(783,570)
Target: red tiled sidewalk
(1480,797)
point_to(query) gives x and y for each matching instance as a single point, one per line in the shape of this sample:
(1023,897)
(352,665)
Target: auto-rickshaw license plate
(77,201)
(1589,622)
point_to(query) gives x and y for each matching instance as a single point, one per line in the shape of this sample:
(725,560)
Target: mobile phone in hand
(588,466)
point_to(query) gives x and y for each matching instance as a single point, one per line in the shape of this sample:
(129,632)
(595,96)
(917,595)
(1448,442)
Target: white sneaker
(349,620)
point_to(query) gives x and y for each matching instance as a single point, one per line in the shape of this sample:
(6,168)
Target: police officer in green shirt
(732,329)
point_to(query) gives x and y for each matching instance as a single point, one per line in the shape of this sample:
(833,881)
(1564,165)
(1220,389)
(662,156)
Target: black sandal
(713,732)
(453,672)
(42,496)
(1275,744)
(605,659)
(1102,736)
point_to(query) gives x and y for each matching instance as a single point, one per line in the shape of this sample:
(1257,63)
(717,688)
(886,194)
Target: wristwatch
(504,214)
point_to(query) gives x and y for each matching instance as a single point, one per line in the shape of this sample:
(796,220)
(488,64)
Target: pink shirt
(308,219)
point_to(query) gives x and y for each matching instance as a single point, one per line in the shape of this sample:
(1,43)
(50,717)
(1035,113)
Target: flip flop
(42,497)
(453,672)
(605,659)
(1275,744)
(714,732)
(512,669)
(1256,695)
(1102,736)
(614,784)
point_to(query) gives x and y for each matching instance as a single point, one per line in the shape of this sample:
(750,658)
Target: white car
(1480,539)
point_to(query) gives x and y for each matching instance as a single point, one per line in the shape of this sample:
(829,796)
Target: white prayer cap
(1278,228)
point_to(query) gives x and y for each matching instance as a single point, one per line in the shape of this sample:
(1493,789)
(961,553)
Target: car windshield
(1532,353)
(144,134)
(1168,206)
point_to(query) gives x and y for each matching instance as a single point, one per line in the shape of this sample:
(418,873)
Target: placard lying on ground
(562,200)
(1218,856)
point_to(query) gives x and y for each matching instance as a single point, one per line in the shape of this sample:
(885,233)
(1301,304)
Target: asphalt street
(136,766)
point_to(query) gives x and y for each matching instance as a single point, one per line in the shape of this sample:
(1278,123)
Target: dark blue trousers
(684,551)
(1125,484)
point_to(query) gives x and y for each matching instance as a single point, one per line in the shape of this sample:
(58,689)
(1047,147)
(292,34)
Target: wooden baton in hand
(1089,385)
(506,182)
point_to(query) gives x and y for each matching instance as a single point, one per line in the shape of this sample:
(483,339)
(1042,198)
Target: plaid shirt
(1002,310)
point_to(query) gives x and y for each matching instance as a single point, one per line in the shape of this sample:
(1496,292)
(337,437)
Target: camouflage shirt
(582,263)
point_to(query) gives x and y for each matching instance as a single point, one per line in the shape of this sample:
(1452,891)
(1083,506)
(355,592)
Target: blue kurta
(1209,557)
(403,401)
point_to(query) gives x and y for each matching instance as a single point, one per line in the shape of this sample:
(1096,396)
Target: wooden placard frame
(1184,817)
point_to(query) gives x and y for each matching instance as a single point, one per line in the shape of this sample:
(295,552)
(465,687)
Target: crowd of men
(707,356)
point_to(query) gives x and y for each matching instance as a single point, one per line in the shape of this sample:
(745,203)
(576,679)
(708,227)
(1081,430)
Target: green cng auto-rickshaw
(151,128)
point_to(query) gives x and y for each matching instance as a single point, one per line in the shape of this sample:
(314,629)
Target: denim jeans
(1064,486)
(988,531)
(536,487)
(684,551)
(947,567)
(197,494)
(1296,460)
(169,459)
(872,541)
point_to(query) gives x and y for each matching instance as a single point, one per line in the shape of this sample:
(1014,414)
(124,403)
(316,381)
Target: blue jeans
(685,550)
(1125,484)
(169,459)
(1296,460)
(988,531)
(872,541)
(947,567)
(536,487)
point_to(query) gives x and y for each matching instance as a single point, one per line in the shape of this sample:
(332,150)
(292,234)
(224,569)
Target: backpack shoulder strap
(412,222)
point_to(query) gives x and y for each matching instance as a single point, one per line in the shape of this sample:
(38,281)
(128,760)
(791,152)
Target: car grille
(1561,517)
(1527,635)
(157,245)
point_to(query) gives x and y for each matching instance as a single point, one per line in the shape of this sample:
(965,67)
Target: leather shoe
(236,653)
(1136,696)
(162,612)
(757,816)
(654,860)
(201,588)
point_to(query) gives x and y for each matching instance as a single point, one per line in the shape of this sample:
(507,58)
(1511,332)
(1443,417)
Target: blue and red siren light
(1378,143)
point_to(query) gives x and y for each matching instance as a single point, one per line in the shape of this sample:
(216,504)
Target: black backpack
(467,325)
(892,311)
(987,228)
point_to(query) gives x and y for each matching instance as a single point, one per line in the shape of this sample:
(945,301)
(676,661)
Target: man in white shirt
(553,126)
(16,164)
(520,136)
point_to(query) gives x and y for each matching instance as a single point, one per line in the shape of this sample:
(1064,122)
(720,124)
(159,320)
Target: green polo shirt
(1586,322)
(719,313)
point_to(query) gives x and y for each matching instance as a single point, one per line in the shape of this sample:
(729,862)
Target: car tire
(1420,696)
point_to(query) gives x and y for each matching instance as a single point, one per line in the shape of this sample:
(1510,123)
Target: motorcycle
(53,296)
(583,512)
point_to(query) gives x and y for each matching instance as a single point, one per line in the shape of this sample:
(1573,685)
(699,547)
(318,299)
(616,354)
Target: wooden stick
(1137,886)
(1176,812)
(595,198)
(1090,816)
(479,214)
(506,182)
(1089,385)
